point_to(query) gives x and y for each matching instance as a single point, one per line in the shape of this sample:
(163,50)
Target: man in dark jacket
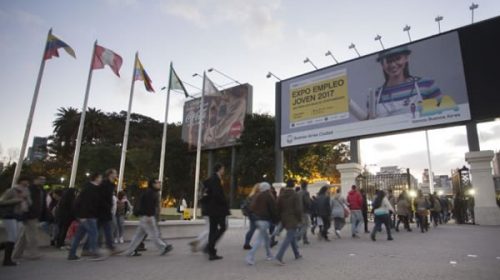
(305,199)
(105,218)
(65,215)
(87,210)
(324,211)
(147,212)
(28,238)
(217,209)
(364,210)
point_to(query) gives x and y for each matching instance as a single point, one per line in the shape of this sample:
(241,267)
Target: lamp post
(270,74)
(62,180)
(379,38)
(472,8)
(213,69)
(307,60)
(438,19)
(329,53)
(352,46)
(407,30)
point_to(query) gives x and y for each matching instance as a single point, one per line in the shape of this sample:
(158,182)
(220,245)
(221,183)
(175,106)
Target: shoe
(274,243)
(97,257)
(397,229)
(134,254)
(141,248)
(73,258)
(367,231)
(409,230)
(86,253)
(298,257)
(269,258)
(214,258)
(279,262)
(121,241)
(115,252)
(194,245)
(306,242)
(355,236)
(10,263)
(390,238)
(249,261)
(115,241)
(247,247)
(373,237)
(167,249)
(337,233)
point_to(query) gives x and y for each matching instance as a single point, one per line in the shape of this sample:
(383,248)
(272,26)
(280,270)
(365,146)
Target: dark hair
(152,182)
(290,183)
(378,200)
(353,187)
(406,71)
(323,190)
(217,167)
(94,176)
(304,184)
(121,195)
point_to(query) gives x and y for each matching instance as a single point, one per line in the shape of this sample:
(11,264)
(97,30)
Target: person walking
(364,210)
(65,215)
(403,210)
(217,210)
(422,206)
(105,214)
(147,213)
(355,202)
(305,199)
(435,209)
(87,210)
(14,203)
(339,210)
(324,211)
(265,211)
(382,211)
(247,211)
(392,201)
(290,213)
(123,208)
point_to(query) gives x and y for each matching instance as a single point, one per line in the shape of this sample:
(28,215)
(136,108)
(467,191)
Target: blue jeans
(379,220)
(263,227)
(89,227)
(107,229)
(290,239)
(356,220)
(251,229)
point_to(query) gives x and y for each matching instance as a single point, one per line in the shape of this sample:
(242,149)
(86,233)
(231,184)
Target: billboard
(416,85)
(223,121)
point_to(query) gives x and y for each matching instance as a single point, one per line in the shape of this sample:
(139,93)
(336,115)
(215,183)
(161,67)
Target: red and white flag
(104,56)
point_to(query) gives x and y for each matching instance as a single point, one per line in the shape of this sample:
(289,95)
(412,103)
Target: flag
(141,75)
(103,57)
(53,44)
(175,82)
(209,87)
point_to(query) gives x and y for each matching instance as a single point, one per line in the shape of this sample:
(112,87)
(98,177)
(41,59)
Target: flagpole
(125,134)
(19,164)
(164,137)
(198,149)
(76,156)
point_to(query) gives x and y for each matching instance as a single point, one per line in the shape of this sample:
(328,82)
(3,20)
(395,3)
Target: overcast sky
(242,38)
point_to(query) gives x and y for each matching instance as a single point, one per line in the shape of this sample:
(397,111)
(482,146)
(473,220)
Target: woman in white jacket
(382,211)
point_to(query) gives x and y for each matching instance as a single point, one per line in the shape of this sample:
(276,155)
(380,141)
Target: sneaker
(214,258)
(355,236)
(249,261)
(279,262)
(86,253)
(337,233)
(73,258)
(373,237)
(269,258)
(167,249)
(306,242)
(134,254)
(298,257)
(390,238)
(115,241)
(274,243)
(97,258)
(247,247)
(121,241)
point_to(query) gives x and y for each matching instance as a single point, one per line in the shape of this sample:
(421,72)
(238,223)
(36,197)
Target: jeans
(405,220)
(263,227)
(356,219)
(63,227)
(89,227)
(147,225)
(120,219)
(11,229)
(326,226)
(28,239)
(289,240)
(202,238)
(306,223)
(379,220)
(365,220)
(251,230)
(217,229)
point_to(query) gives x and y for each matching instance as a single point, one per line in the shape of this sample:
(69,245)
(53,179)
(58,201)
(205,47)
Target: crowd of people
(93,217)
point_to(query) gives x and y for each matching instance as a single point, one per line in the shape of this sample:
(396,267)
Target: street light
(329,53)
(472,8)
(379,38)
(62,180)
(407,30)
(87,174)
(307,60)
(352,46)
(201,77)
(270,74)
(213,69)
(472,191)
(438,19)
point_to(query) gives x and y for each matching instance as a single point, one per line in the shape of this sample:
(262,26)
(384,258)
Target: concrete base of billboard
(486,210)
(348,174)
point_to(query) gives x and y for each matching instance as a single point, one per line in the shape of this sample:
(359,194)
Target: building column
(348,174)
(486,210)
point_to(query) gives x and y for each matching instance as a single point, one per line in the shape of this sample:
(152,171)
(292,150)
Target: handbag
(346,212)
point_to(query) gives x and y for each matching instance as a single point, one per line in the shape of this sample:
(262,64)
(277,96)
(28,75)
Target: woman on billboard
(401,92)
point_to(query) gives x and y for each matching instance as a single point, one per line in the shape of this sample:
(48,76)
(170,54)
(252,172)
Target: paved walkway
(447,252)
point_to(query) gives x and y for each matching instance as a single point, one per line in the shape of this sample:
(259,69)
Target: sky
(241,38)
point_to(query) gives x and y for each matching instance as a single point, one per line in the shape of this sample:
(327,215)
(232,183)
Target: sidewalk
(447,252)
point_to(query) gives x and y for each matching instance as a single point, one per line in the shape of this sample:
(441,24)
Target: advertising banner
(417,85)
(224,117)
